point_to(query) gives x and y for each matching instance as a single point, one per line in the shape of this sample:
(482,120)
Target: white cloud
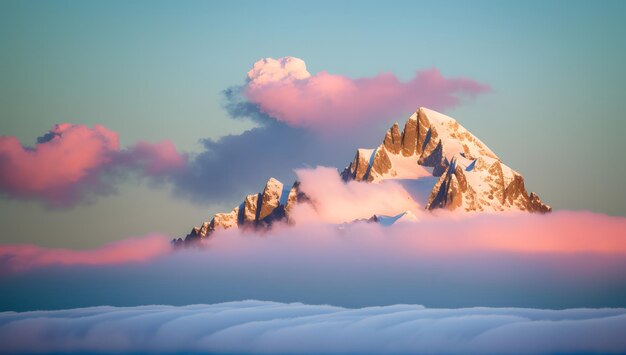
(270,70)
(256,326)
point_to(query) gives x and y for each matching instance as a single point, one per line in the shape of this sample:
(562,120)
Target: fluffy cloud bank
(565,259)
(558,233)
(269,327)
(71,161)
(286,91)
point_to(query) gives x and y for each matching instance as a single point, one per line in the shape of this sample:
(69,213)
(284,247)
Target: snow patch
(419,189)
(455,138)
(405,216)
(389,220)
(406,168)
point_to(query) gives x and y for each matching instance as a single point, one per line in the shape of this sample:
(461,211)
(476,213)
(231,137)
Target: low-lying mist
(564,259)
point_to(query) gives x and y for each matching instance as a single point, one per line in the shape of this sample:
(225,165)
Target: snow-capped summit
(471,177)
(439,162)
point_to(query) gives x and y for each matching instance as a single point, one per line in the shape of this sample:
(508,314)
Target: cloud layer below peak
(564,259)
(270,327)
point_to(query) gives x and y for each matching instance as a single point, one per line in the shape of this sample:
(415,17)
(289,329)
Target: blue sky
(156,70)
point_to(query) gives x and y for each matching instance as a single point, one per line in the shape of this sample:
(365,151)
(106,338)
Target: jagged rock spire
(257,210)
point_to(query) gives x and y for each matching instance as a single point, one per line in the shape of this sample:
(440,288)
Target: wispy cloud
(22,257)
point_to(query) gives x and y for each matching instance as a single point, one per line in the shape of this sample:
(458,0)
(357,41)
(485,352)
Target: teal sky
(154,70)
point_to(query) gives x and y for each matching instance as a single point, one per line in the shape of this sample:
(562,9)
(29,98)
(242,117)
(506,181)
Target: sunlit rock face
(454,170)
(471,176)
(256,211)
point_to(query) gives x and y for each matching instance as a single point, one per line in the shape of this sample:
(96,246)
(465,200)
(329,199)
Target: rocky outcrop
(423,125)
(537,205)
(453,191)
(250,205)
(295,196)
(393,140)
(359,167)
(380,165)
(225,220)
(409,137)
(431,142)
(270,198)
(256,211)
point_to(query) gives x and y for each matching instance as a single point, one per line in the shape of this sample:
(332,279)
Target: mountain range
(439,162)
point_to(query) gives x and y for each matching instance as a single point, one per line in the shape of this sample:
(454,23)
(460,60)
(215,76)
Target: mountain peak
(437,160)
(256,210)
(471,177)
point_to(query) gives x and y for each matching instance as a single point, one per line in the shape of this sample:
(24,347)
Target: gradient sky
(154,70)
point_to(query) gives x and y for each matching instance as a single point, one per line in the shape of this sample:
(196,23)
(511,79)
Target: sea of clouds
(270,327)
(489,283)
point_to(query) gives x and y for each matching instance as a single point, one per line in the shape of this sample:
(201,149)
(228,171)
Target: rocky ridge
(256,211)
(467,175)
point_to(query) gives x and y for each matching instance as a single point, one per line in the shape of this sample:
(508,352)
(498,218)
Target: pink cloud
(70,158)
(339,202)
(69,155)
(569,234)
(444,232)
(155,158)
(22,257)
(561,232)
(285,90)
